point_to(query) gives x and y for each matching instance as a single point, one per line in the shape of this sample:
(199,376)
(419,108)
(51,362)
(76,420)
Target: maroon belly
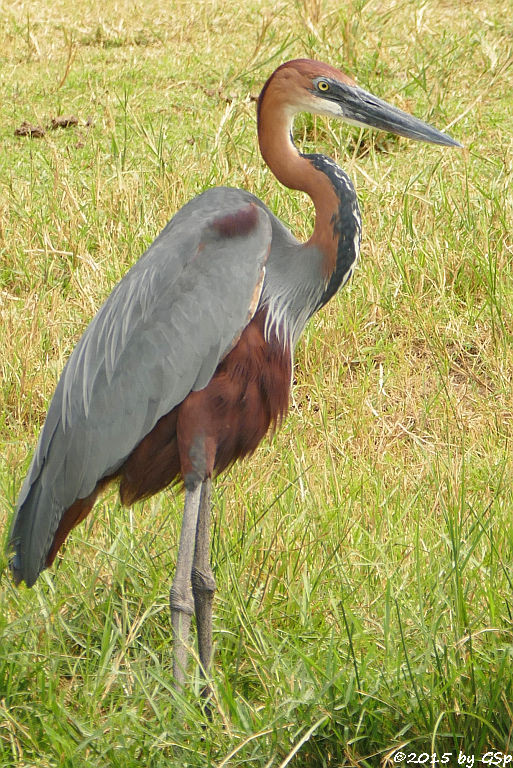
(212,428)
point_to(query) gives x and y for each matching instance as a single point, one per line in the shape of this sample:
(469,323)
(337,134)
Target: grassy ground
(364,556)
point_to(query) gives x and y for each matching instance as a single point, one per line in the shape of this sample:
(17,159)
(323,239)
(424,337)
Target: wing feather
(160,334)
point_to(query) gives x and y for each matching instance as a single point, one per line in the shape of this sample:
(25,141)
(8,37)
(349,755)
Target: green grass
(364,556)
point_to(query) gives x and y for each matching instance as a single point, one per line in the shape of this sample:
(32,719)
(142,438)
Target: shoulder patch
(237,224)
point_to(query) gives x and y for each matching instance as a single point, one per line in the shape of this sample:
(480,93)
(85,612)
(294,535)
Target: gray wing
(160,335)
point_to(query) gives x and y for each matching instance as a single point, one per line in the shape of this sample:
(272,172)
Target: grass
(363,557)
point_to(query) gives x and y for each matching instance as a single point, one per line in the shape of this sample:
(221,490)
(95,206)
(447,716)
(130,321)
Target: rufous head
(303,85)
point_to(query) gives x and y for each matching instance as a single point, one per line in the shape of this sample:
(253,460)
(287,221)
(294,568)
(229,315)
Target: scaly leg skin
(180,597)
(203,583)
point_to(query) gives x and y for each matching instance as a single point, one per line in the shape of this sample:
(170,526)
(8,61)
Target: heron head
(311,86)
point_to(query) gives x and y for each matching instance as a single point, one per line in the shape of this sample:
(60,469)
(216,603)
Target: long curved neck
(297,171)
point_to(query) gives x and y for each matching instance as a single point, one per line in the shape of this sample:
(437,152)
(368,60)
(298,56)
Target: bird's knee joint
(203,581)
(180,600)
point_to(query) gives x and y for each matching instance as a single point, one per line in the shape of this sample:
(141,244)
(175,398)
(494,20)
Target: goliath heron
(188,363)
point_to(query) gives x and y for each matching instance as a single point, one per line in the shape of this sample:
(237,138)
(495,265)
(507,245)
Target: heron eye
(322,85)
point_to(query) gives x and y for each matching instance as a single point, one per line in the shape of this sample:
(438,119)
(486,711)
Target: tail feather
(27,541)
(40,528)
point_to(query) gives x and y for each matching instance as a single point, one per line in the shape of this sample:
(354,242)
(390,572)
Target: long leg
(180,597)
(203,583)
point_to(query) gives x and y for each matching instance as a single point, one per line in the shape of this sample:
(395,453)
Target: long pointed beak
(362,108)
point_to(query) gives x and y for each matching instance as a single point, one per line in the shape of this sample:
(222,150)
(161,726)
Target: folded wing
(160,334)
